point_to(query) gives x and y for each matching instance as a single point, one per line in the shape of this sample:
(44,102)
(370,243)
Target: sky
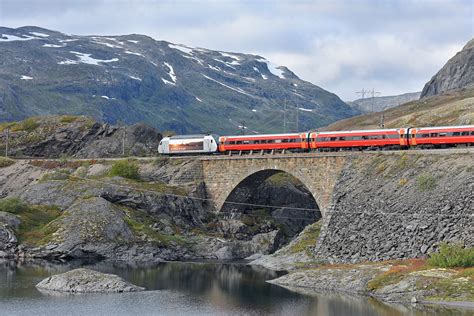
(392,46)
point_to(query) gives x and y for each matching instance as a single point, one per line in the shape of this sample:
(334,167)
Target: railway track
(446,151)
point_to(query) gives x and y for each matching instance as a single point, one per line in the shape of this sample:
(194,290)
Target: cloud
(343,46)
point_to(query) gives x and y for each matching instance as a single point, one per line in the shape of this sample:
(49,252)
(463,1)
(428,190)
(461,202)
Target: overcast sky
(342,46)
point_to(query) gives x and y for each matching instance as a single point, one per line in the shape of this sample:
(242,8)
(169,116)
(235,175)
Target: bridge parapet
(318,174)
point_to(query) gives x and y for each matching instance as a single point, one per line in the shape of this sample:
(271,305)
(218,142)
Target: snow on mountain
(137,78)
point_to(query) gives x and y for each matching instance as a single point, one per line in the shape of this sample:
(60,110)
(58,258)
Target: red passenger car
(441,136)
(390,138)
(291,142)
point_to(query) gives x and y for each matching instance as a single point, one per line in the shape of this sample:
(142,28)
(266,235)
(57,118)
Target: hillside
(134,78)
(457,73)
(378,104)
(452,108)
(76,136)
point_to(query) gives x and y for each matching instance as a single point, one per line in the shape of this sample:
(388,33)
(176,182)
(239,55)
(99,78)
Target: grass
(5,162)
(426,182)
(308,239)
(452,256)
(36,227)
(140,224)
(396,273)
(126,169)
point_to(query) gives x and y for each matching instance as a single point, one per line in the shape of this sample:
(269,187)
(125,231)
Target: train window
(333,138)
(425,135)
(472,133)
(434,135)
(277,141)
(246,142)
(465,133)
(239,142)
(232,142)
(442,134)
(342,138)
(455,133)
(256,141)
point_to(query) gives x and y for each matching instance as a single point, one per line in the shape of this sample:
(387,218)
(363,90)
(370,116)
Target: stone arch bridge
(318,173)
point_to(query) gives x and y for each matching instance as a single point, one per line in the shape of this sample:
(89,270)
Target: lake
(183,288)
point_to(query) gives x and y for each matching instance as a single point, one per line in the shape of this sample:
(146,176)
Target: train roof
(194,136)
(264,135)
(444,127)
(362,131)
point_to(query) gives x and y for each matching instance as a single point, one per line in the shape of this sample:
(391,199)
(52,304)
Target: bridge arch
(318,174)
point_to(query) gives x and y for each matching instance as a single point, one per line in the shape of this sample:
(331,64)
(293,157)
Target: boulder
(87,281)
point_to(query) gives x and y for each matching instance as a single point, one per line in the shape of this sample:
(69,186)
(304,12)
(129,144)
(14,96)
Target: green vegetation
(141,224)
(36,227)
(5,162)
(308,239)
(452,256)
(126,169)
(426,182)
(68,118)
(29,124)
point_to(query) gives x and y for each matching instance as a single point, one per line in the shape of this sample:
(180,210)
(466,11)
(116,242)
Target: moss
(426,182)
(141,223)
(35,226)
(308,240)
(5,162)
(451,289)
(68,119)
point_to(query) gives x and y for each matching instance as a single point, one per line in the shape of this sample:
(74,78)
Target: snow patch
(132,41)
(184,49)
(106,97)
(199,61)
(214,68)
(171,72)
(253,110)
(11,38)
(294,84)
(306,110)
(135,78)
(53,45)
(26,78)
(274,69)
(107,44)
(39,34)
(168,82)
(230,56)
(264,76)
(256,69)
(227,86)
(68,40)
(86,59)
(132,53)
(198,99)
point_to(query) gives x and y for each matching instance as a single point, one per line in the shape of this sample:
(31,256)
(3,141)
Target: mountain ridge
(135,78)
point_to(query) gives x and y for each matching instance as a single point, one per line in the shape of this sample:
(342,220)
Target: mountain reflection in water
(185,288)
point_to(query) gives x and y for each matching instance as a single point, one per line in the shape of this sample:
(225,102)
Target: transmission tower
(362,93)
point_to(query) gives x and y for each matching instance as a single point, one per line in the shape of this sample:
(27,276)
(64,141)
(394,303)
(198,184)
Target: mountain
(134,78)
(457,73)
(451,108)
(378,104)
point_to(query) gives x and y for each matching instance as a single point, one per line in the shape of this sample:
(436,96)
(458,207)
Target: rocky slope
(75,209)
(457,73)
(76,136)
(378,104)
(135,78)
(451,108)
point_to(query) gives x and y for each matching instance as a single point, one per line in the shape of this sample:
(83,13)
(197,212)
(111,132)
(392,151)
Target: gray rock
(87,281)
(457,73)
(10,219)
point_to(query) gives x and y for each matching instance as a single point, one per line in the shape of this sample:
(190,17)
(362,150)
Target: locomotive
(395,138)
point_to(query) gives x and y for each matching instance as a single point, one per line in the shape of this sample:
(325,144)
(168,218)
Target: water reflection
(184,288)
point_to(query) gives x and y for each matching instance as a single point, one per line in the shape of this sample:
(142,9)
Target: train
(394,138)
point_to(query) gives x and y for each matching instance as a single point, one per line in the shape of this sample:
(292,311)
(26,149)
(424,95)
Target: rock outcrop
(457,73)
(87,281)
(80,137)
(398,206)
